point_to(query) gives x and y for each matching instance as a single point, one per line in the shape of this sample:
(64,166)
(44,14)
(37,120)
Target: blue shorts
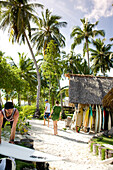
(46,115)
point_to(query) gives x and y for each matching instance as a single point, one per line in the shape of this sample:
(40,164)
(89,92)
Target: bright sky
(71,11)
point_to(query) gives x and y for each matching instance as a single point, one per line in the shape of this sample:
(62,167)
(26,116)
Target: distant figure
(56,115)
(10,114)
(47,112)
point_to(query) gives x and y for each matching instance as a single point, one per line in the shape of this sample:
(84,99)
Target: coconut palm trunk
(87,48)
(38,77)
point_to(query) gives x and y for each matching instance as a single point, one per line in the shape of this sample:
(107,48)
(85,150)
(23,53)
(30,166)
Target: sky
(71,11)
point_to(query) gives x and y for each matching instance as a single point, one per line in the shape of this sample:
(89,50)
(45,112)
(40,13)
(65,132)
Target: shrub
(25,114)
(41,117)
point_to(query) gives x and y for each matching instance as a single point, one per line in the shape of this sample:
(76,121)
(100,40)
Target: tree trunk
(52,100)
(19,100)
(60,96)
(0,97)
(37,113)
(6,97)
(87,48)
(29,100)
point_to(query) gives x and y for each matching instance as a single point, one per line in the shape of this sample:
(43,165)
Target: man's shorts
(46,115)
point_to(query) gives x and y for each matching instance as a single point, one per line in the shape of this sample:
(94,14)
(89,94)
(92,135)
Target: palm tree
(26,72)
(75,64)
(17,16)
(72,62)
(101,56)
(48,29)
(87,33)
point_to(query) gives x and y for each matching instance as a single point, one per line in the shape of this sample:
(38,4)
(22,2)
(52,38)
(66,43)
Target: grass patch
(65,129)
(103,140)
(103,154)
(91,149)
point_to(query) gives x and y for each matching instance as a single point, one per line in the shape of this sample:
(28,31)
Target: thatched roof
(108,99)
(88,89)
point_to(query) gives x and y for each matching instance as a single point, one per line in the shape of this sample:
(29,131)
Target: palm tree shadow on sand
(70,139)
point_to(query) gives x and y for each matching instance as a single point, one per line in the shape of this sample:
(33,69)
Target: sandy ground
(72,146)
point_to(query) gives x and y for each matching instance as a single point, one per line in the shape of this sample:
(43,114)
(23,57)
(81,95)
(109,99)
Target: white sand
(72,146)
(68,144)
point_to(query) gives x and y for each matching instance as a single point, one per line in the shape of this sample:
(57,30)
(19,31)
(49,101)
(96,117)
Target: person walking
(56,115)
(47,112)
(10,114)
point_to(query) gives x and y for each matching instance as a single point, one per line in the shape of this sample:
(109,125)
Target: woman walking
(56,115)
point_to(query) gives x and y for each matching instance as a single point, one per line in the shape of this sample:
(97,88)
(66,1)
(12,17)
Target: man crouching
(10,114)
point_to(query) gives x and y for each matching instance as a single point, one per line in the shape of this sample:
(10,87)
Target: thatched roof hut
(108,100)
(88,89)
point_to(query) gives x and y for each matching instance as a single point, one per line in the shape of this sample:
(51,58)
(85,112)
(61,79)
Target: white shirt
(48,108)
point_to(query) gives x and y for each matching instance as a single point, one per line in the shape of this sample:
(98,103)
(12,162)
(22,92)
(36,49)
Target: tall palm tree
(17,14)
(86,33)
(101,56)
(48,29)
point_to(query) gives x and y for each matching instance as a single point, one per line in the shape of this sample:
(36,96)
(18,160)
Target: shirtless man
(10,114)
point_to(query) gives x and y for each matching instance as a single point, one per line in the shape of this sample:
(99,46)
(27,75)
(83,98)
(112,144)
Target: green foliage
(65,129)
(103,154)
(68,114)
(52,65)
(97,150)
(41,116)
(11,75)
(48,29)
(101,57)
(42,105)
(85,34)
(91,149)
(20,165)
(52,69)
(103,140)
(26,113)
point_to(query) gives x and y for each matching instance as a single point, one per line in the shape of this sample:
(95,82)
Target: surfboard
(103,119)
(109,122)
(96,119)
(26,154)
(91,118)
(100,119)
(86,118)
(79,118)
(107,161)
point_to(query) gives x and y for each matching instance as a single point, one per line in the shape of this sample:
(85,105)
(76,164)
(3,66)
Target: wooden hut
(108,100)
(89,90)
(107,103)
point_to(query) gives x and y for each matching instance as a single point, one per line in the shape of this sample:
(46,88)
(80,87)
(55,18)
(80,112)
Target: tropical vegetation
(86,33)
(35,79)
